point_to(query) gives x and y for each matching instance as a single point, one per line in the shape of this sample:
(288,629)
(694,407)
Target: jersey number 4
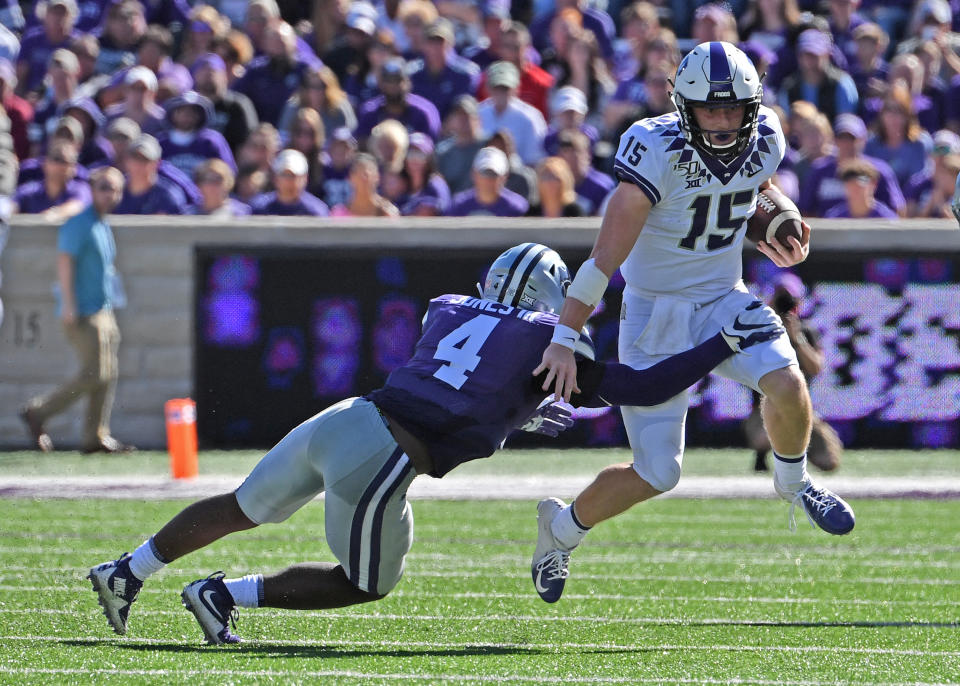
(461,347)
(726,224)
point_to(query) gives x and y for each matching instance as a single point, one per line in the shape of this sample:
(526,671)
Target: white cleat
(550,560)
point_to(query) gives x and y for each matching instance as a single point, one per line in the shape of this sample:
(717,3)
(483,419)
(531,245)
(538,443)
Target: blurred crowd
(455,107)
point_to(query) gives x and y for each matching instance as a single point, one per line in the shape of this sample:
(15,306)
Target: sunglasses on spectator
(105,188)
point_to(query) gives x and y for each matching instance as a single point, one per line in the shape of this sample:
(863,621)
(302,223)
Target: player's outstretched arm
(625,216)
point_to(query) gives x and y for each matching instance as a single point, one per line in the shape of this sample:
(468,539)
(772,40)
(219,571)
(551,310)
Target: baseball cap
(66,59)
(394,68)
(945,142)
(69,5)
(344,135)
(570,98)
(290,160)
(869,30)
(141,74)
(122,127)
(71,126)
(146,146)
(939,10)
(850,123)
(441,28)
(503,74)
(421,142)
(361,22)
(491,159)
(496,8)
(814,41)
(211,60)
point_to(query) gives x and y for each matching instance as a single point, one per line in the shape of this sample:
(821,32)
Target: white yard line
(472,487)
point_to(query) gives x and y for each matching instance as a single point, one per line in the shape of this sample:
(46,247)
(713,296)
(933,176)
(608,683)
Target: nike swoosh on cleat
(206,597)
(536,583)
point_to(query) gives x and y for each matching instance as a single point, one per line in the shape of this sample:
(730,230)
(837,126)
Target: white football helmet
(529,276)
(717,74)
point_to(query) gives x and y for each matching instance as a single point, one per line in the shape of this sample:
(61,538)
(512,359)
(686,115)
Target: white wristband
(565,336)
(589,284)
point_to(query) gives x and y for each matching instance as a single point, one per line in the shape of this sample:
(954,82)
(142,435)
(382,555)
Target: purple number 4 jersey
(469,382)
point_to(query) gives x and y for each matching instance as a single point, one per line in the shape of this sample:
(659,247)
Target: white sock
(567,529)
(247,591)
(145,560)
(790,471)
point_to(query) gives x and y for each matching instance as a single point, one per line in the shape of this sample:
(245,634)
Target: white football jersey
(691,244)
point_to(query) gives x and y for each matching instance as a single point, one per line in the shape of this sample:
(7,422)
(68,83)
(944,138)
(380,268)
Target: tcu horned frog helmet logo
(718,74)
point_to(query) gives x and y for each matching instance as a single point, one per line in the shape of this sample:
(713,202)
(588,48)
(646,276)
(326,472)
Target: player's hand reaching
(550,419)
(561,369)
(787,256)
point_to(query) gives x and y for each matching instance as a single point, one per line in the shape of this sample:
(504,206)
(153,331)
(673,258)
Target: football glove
(754,324)
(549,419)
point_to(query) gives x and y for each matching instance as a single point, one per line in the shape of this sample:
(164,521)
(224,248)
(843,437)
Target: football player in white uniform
(674,226)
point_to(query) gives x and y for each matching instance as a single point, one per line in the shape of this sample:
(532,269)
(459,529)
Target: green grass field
(674,591)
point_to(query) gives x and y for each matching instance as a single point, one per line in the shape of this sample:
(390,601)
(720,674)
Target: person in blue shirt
(468,385)
(87,278)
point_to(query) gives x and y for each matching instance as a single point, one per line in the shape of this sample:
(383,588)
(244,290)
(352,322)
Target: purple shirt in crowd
(460,76)
(596,20)
(550,144)
(906,159)
(878,211)
(509,204)
(205,145)
(419,115)
(307,205)
(335,188)
(593,190)
(269,86)
(35,51)
(822,188)
(32,170)
(435,193)
(161,198)
(32,197)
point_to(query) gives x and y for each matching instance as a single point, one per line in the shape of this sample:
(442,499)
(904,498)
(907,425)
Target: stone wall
(155,257)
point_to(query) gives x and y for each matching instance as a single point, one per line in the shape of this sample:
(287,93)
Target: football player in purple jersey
(468,385)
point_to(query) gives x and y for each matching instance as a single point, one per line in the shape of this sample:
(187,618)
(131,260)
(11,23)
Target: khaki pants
(95,339)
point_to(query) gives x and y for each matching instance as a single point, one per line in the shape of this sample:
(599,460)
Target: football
(776,216)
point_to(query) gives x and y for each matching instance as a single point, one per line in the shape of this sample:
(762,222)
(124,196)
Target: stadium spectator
(11,15)
(844,20)
(456,152)
(555,190)
(236,50)
(189,139)
(260,149)
(898,138)
(817,81)
(521,179)
(123,30)
(234,115)
(59,194)
(569,111)
(931,23)
(155,53)
(86,275)
(639,24)
(933,87)
(495,15)
(365,200)
(87,50)
(290,197)
(823,188)
(488,195)
(215,181)
(859,179)
(592,19)
(67,129)
(576,61)
(825,450)
(504,110)
(306,134)
(441,75)
(204,29)
(251,183)
(397,102)
(348,52)
(638,98)
(321,91)
(95,148)
(713,22)
(535,83)
(341,151)
(63,72)
(811,138)
(908,70)
(592,186)
(145,192)
(868,67)
(425,187)
(258,16)
(388,143)
(39,43)
(139,101)
(414,16)
(361,84)
(930,190)
(18,110)
(272,78)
